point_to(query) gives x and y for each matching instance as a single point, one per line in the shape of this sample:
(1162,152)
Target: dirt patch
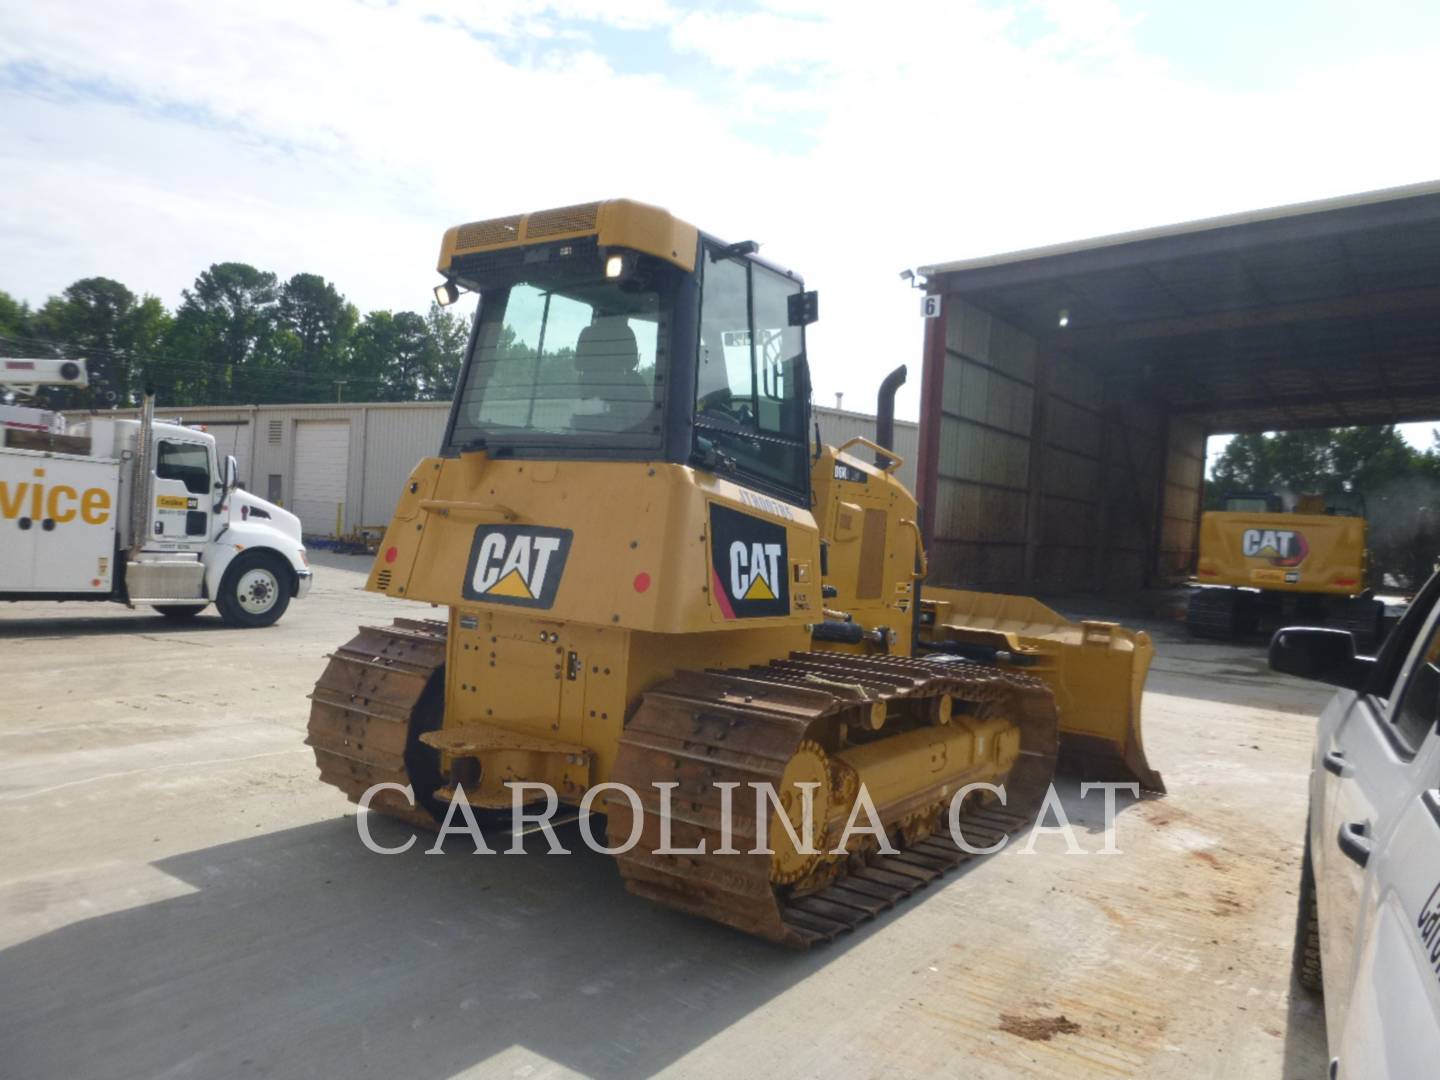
(1037,1028)
(1207,858)
(1227,904)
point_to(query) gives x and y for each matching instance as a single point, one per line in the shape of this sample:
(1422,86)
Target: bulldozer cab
(590,350)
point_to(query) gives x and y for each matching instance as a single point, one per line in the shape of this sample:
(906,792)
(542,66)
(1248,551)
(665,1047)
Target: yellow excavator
(1261,564)
(655,578)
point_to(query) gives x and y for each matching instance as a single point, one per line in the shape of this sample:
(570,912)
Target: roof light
(446,293)
(614,266)
(1064,318)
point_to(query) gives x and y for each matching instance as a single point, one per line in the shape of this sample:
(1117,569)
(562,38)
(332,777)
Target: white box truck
(135,511)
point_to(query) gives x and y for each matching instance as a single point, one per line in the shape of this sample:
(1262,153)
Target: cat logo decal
(516,564)
(749,564)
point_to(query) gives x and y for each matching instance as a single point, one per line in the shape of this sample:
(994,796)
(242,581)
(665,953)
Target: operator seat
(606,355)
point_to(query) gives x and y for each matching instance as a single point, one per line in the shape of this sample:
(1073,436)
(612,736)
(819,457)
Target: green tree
(116,332)
(223,348)
(313,325)
(14,324)
(402,356)
(392,356)
(449,333)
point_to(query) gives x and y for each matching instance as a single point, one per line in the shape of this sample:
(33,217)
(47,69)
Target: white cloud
(852,139)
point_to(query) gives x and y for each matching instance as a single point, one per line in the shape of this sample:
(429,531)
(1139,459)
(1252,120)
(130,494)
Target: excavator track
(381,689)
(701,730)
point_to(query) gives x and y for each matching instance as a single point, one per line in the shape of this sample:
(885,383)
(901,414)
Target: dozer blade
(1096,671)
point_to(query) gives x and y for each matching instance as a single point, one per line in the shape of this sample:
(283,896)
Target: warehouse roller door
(322,466)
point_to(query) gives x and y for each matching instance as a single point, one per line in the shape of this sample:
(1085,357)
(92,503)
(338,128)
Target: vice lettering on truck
(59,503)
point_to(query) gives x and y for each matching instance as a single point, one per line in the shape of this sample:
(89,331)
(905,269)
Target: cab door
(1365,769)
(1368,760)
(1392,1024)
(184,495)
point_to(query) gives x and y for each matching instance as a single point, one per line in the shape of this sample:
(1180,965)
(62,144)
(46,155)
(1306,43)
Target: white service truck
(140,512)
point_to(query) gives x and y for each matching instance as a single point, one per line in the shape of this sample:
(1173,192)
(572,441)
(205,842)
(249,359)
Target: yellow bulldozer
(1261,564)
(655,578)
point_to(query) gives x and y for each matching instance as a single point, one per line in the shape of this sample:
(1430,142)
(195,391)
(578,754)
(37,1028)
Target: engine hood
(245,507)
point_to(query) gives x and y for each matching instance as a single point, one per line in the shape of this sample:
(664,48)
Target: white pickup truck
(136,511)
(1369,928)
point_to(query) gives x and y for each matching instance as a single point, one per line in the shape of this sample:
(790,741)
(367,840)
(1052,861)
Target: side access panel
(57,519)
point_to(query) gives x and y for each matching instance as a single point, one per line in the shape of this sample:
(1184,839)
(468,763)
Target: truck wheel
(180,611)
(255,590)
(1307,928)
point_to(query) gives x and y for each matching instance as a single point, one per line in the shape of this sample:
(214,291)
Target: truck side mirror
(1326,656)
(232,473)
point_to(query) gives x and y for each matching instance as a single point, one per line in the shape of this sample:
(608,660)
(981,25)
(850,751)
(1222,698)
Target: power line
(252,367)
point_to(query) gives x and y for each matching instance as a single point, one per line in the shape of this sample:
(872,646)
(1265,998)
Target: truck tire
(1307,928)
(255,590)
(179,611)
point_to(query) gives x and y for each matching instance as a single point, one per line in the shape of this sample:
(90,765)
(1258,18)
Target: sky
(146,140)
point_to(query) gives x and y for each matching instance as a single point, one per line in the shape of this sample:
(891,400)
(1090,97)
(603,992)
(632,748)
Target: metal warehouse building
(341,467)
(1068,391)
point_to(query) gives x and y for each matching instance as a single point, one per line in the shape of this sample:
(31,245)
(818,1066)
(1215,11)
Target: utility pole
(339,386)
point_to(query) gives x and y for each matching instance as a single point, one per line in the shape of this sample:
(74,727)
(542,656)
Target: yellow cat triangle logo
(759,590)
(512,584)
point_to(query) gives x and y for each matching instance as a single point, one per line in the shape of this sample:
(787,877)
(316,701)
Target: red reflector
(391,554)
(642,581)
(1346,581)
(1209,573)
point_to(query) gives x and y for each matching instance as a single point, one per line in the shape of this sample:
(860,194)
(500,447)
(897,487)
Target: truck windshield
(572,364)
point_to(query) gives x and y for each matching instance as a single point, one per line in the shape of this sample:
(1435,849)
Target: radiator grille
(567,219)
(382,581)
(482,233)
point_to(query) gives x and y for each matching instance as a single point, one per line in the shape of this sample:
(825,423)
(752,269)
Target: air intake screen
(483,233)
(567,219)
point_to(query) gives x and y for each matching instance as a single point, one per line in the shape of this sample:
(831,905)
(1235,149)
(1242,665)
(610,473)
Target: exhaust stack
(144,489)
(885,413)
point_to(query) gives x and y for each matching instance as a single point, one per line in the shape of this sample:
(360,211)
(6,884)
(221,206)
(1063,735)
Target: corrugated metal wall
(1135,434)
(987,412)
(392,442)
(1184,489)
(1047,479)
(1071,488)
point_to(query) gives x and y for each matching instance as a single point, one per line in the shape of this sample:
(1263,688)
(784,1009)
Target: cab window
(1418,710)
(187,462)
(750,390)
(1396,649)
